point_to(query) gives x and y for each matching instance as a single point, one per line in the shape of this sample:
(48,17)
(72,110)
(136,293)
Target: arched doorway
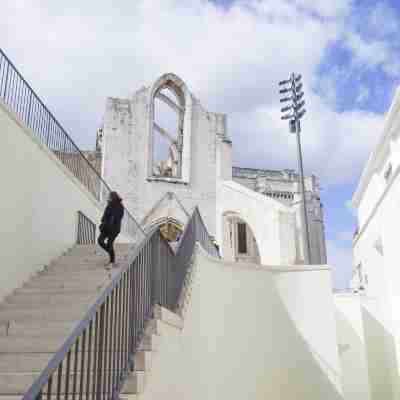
(239,242)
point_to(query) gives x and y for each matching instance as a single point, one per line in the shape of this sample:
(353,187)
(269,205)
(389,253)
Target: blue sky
(231,54)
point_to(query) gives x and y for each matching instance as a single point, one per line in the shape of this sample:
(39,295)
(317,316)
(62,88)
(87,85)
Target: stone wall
(126,153)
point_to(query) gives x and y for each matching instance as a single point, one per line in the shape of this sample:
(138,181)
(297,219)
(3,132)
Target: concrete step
(37,329)
(153,327)
(143,360)
(17,383)
(95,249)
(77,258)
(72,274)
(40,299)
(81,264)
(55,291)
(70,278)
(50,314)
(24,362)
(135,383)
(63,283)
(168,317)
(150,343)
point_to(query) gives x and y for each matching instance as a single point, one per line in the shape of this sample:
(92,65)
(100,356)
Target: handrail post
(6,83)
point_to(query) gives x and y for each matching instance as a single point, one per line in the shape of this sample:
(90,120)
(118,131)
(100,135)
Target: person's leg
(110,246)
(101,241)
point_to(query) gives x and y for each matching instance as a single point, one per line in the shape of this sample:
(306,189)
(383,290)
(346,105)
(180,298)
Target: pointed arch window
(169,133)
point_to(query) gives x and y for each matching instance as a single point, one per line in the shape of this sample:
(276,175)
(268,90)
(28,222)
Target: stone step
(70,278)
(95,249)
(135,383)
(34,344)
(67,313)
(37,328)
(38,299)
(150,343)
(153,327)
(143,360)
(77,258)
(55,291)
(46,344)
(64,283)
(17,383)
(10,397)
(37,362)
(168,317)
(29,329)
(24,362)
(72,274)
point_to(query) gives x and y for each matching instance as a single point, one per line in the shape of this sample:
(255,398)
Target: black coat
(112,217)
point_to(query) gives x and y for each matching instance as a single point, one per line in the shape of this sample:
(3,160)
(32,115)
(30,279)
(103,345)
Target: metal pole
(307,255)
(294,113)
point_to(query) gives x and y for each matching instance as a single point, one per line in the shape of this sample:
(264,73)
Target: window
(242,238)
(167,132)
(170,126)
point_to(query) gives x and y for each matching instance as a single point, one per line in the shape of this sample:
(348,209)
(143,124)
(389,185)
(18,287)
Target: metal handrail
(86,230)
(19,96)
(104,342)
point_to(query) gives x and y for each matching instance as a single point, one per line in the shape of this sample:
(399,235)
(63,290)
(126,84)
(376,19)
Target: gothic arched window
(170,107)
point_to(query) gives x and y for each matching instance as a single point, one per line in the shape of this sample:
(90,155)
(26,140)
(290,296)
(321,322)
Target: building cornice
(378,154)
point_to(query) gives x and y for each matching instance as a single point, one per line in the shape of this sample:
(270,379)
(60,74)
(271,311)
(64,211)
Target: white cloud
(327,9)
(78,53)
(372,53)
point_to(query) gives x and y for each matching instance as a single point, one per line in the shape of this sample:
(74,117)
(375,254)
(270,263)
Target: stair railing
(21,99)
(98,355)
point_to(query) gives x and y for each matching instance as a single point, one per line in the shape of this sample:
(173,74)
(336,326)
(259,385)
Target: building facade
(369,316)
(166,154)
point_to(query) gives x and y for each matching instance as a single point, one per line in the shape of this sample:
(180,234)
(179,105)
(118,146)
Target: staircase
(77,331)
(37,318)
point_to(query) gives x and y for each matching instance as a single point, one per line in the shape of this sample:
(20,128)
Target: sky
(231,54)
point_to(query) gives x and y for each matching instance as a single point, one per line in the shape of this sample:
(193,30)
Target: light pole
(294,112)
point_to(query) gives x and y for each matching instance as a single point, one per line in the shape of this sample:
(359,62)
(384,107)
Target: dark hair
(114,197)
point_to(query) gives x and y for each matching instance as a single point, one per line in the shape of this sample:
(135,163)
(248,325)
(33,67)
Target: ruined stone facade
(163,170)
(283,186)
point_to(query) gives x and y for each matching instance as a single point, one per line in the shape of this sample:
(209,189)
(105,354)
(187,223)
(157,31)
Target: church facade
(165,154)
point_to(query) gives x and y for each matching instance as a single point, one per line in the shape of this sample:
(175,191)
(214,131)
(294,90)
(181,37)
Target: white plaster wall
(377,248)
(125,161)
(249,335)
(381,351)
(272,223)
(39,204)
(352,347)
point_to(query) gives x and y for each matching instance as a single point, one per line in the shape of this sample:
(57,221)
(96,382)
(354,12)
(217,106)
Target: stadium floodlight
(296,112)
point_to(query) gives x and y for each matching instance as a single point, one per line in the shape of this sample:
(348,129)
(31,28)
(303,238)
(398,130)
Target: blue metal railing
(95,360)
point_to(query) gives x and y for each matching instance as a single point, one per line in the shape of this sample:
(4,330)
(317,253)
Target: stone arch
(176,166)
(171,229)
(239,241)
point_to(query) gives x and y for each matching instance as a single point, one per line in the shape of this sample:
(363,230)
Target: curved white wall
(272,223)
(250,333)
(39,204)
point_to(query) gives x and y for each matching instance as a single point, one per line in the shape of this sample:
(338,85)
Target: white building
(253,214)
(240,330)
(369,319)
